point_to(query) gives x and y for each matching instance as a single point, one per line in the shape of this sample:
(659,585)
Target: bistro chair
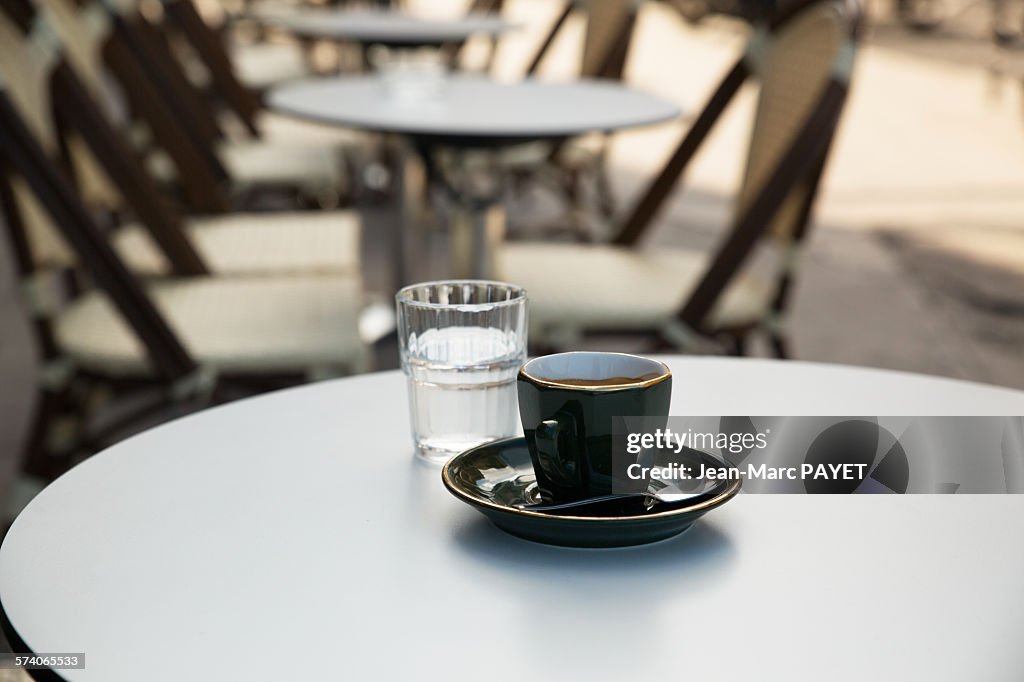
(97,50)
(161,241)
(245,103)
(104,335)
(683,299)
(196,152)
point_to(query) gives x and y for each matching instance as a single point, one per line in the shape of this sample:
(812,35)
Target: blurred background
(914,259)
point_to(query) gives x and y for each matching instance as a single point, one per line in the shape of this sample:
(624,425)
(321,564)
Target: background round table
(388,28)
(474,110)
(471,112)
(293,536)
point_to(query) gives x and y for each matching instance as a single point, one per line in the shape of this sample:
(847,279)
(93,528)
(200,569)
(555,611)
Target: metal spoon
(593,506)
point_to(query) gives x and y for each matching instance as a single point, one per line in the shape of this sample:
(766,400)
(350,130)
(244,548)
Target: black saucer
(497,477)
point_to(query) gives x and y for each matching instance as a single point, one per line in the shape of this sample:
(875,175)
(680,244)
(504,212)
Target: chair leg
(780,345)
(737,345)
(55,435)
(36,459)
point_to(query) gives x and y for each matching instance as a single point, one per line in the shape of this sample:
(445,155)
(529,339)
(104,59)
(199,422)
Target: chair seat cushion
(579,287)
(261,65)
(261,163)
(278,128)
(257,243)
(234,325)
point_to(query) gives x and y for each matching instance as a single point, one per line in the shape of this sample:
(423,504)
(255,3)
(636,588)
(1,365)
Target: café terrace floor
(917,261)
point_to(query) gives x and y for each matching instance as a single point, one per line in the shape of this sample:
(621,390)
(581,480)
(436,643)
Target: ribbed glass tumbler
(462,343)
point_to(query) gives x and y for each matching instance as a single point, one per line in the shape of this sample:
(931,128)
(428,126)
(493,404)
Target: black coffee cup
(568,403)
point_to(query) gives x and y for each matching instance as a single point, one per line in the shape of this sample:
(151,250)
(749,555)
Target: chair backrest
(100,40)
(209,47)
(802,57)
(83,30)
(26,69)
(606,40)
(22,156)
(608,36)
(794,62)
(152,48)
(59,106)
(94,186)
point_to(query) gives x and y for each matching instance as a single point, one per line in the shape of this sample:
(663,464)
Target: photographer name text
(676,472)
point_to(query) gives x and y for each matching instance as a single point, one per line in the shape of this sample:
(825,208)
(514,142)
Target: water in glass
(461,354)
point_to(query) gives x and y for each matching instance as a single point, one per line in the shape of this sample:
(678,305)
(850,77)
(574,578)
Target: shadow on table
(564,603)
(700,553)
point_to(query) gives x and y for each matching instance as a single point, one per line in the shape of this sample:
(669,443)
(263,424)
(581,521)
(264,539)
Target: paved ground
(917,261)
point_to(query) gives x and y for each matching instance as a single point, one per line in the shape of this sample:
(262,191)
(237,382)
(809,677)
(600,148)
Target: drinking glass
(462,343)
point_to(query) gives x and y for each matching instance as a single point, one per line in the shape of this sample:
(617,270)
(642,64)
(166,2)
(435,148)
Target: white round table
(472,112)
(388,28)
(293,536)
